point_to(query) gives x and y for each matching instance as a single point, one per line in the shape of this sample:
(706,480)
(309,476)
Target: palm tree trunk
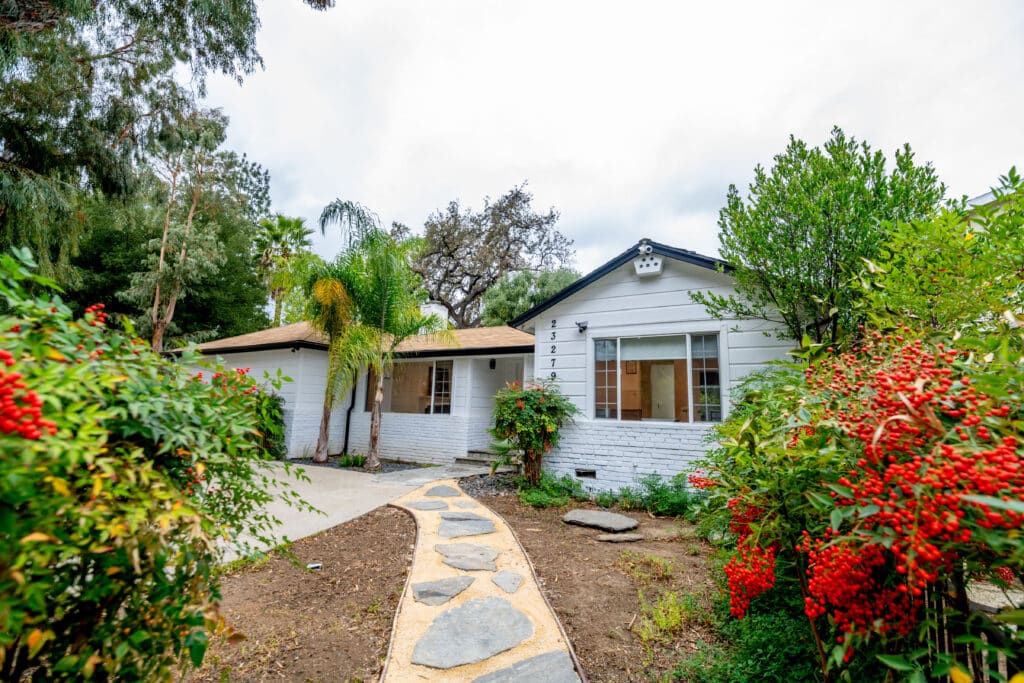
(320,455)
(373,457)
(278,295)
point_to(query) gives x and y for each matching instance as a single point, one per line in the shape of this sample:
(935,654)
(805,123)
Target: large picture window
(417,387)
(670,378)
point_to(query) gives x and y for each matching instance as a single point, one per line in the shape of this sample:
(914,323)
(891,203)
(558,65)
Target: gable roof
(302,335)
(684,255)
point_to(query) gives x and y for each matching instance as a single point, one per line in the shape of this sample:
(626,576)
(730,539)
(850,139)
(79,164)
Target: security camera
(645,249)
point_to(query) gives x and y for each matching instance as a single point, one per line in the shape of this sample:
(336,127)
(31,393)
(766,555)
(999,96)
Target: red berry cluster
(750,572)
(96,316)
(20,410)
(929,439)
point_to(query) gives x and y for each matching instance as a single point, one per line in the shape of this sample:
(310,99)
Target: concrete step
(482,457)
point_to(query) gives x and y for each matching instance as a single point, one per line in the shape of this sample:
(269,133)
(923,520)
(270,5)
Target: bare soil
(328,625)
(594,587)
(335,624)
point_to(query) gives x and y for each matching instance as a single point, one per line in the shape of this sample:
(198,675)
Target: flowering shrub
(120,477)
(887,478)
(526,422)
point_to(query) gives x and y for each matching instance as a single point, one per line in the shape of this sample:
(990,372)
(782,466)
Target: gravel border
(501,484)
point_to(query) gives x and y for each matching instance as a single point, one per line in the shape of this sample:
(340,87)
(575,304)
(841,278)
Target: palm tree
(386,293)
(354,219)
(278,242)
(351,346)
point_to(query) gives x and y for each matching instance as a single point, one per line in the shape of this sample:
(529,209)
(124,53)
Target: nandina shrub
(121,477)
(526,423)
(892,471)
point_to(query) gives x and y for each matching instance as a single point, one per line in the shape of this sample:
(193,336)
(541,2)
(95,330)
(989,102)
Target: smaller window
(415,387)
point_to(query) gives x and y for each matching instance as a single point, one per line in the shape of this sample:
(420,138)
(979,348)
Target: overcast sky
(630,118)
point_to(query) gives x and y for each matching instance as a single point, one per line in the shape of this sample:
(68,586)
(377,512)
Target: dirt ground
(334,624)
(327,625)
(594,587)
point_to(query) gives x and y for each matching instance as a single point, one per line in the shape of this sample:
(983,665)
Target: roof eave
(625,257)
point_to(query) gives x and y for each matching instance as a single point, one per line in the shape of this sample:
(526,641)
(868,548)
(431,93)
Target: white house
(438,398)
(648,368)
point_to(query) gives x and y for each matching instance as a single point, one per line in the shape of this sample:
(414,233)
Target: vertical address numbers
(554,347)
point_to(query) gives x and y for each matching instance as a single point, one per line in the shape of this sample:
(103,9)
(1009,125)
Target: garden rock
(507,581)
(443,491)
(599,519)
(455,524)
(471,633)
(620,538)
(468,556)
(428,505)
(440,592)
(550,667)
(465,504)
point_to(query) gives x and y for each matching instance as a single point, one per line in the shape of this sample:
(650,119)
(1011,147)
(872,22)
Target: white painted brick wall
(413,437)
(623,453)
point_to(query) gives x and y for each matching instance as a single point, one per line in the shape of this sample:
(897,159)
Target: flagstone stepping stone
(471,633)
(428,505)
(440,592)
(455,524)
(507,581)
(620,538)
(468,556)
(599,519)
(465,504)
(443,491)
(550,667)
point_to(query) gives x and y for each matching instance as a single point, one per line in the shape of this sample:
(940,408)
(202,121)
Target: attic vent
(648,265)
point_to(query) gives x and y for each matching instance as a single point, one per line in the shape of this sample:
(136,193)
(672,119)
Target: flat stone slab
(428,505)
(465,504)
(443,491)
(456,524)
(471,633)
(599,519)
(550,667)
(440,592)
(507,581)
(620,538)
(468,556)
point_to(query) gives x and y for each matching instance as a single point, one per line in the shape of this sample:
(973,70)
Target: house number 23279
(554,347)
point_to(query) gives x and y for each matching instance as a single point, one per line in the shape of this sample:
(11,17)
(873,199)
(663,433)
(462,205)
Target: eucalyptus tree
(278,242)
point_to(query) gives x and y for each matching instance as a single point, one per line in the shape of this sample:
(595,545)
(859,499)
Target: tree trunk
(278,295)
(320,455)
(531,467)
(157,340)
(373,456)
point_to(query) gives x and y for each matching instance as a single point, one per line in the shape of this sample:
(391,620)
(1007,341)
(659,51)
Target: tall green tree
(85,86)
(386,293)
(280,240)
(799,238)
(516,293)
(464,252)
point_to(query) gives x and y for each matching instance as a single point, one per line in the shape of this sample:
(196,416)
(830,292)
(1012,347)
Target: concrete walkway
(472,609)
(343,495)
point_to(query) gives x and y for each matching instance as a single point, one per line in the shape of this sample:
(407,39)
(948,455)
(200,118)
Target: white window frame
(638,331)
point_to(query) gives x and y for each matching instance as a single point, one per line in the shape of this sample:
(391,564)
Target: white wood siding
(620,305)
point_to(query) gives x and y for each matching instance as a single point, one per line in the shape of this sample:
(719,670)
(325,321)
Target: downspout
(348,415)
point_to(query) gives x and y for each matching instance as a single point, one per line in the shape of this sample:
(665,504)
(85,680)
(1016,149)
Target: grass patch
(351,460)
(663,618)
(645,569)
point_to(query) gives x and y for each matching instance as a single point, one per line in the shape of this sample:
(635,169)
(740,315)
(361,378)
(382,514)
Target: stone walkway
(472,610)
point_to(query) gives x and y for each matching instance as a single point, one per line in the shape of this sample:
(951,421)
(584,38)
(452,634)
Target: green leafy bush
(121,474)
(269,407)
(526,424)
(351,460)
(551,491)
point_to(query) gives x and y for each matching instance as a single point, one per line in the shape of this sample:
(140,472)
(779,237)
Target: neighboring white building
(648,368)
(438,398)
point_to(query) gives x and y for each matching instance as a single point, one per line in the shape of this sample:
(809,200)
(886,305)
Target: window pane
(410,387)
(371,388)
(443,386)
(707,390)
(605,384)
(654,378)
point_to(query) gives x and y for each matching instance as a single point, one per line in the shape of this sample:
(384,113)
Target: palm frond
(354,219)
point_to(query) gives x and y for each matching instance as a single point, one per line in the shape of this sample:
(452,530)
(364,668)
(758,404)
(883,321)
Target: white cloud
(630,118)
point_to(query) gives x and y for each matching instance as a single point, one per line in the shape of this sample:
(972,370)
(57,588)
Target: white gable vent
(648,263)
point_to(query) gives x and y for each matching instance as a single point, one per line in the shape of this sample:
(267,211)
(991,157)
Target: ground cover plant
(121,473)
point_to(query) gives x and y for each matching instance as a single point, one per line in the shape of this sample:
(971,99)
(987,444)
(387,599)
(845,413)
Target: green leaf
(836,518)
(1015,617)
(196,651)
(867,511)
(897,662)
(998,503)
(843,491)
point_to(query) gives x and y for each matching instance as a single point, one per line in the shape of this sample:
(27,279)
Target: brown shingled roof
(304,335)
